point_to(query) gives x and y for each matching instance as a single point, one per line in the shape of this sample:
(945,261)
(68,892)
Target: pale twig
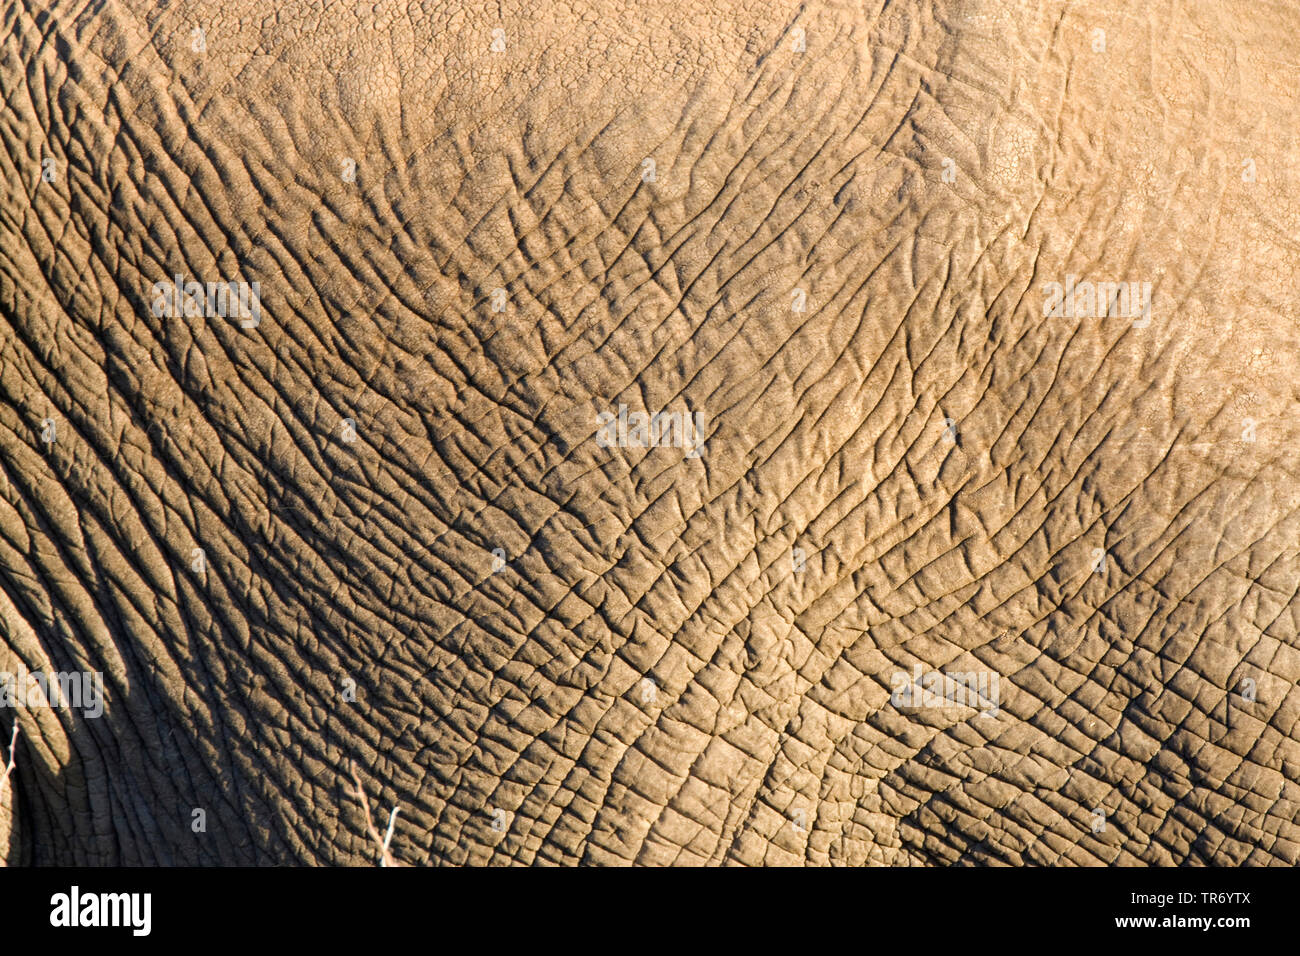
(385,857)
(388,837)
(4,780)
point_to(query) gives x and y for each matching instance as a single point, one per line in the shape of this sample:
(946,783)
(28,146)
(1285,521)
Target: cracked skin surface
(768,735)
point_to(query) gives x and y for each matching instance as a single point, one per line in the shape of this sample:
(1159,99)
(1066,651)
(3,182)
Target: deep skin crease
(378,527)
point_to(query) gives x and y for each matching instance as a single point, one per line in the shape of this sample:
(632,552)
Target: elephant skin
(607,428)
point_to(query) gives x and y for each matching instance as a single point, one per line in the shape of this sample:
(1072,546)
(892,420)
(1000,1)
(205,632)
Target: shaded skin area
(824,228)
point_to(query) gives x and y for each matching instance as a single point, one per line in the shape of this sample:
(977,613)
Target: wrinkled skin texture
(768,735)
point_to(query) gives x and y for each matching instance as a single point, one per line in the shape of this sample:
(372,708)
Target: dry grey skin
(360,516)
